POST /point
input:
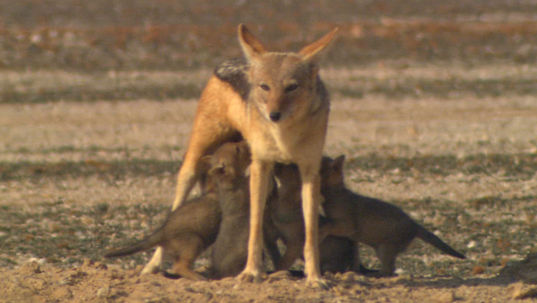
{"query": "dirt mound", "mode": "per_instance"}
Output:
(97, 282)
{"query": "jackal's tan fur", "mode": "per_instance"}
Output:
(277, 102)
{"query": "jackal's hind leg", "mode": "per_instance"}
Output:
(208, 133)
(186, 178)
(154, 265)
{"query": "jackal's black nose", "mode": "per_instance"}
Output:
(275, 116)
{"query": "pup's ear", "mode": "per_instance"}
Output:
(243, 150)
(337, 164)
(251, 46)
(313, 51)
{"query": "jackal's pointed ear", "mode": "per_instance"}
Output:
(251, 46)
(313, 51)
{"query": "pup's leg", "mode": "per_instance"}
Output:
(311, 197)
(271, 236)
(387, 255)
(294, 241)
(293, 252)
(356, 263)
(187, 250)
(259, 183)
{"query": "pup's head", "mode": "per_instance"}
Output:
(283, 84)
(228, 164)
(332, 172)
(289, 182)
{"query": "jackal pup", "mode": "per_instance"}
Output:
(285, 222)
(228, 170)
(278, 103)
(381, 225)
(185, 234)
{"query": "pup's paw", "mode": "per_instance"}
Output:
(251, 277)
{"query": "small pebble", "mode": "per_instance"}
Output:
(103, 292)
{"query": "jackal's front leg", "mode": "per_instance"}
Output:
(259, 181)
(311, 197)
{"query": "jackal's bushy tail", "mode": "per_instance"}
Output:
(432, 239)
(147, 243)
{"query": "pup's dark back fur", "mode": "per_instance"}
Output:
(183, 220)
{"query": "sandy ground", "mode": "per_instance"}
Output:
(96, 282)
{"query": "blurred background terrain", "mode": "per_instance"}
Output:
(105, 38)
(169, 35)
(434, 103)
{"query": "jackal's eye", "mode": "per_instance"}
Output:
(264, 87)
(291, 87)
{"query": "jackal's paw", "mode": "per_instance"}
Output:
(150, 268)
(251, 277)
(319, 283)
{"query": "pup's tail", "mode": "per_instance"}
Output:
(147, 243)
(432, 239)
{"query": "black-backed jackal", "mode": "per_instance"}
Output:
(279, 105)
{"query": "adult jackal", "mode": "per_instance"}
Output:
(279, 105)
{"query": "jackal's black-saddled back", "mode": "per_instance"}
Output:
(235, 72)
